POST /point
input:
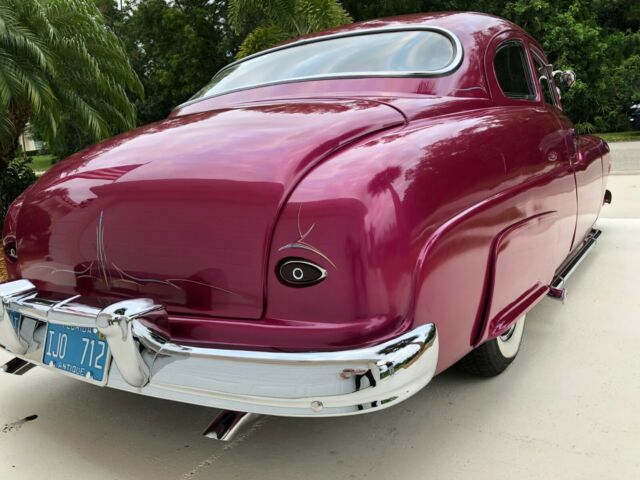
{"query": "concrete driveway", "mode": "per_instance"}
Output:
(566, 409)
(626, 157)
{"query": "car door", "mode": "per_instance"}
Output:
(536, 136)
(530, 247)
(587, 168)
(565, 155)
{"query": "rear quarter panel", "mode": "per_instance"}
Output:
(423, 207)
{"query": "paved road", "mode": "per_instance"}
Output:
(566, 409)
(626, 157)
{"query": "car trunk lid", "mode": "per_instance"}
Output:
(183, 210)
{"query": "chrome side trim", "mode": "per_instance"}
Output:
(566, 270)
(275, 383)
(453, 65)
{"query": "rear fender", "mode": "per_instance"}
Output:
(519, 274)
(473, 282)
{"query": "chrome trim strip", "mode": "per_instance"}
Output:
(290, 384)
(560, 279)
(423, 335)
(453, 65)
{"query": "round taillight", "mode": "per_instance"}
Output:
(11, 251)
(296, 272)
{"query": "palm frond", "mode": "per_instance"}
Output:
(58, 56)
(245, 14)
(270, 22)
(321, 14)
(262, 38)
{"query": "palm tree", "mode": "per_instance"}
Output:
(269, 22)
(58, 57)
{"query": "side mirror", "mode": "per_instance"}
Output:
(565, 77)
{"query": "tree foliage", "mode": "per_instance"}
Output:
(18, 175)
(269, 22)
(176, 47)
(599, 39)
(58, 58)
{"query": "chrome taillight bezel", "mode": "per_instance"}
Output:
(291, 272)
(10, 249)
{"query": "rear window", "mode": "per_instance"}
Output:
(387, 53)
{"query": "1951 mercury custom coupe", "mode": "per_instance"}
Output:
(319, 231)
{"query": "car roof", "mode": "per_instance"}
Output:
(474, 31)
(482, 27)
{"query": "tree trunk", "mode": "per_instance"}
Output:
(18, 118)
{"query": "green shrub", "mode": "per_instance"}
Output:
(585, 128)
(17, 177)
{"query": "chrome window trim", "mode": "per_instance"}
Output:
(453, 65)
(538, 57)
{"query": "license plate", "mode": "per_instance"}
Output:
(15, 318)
(78, 351)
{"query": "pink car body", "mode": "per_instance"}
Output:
(425, 200)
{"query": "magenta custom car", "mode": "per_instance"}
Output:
(318, 232)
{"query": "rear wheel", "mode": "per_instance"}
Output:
(493, 357)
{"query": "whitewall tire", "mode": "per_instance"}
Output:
(494, 356)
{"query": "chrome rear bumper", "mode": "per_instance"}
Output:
(290, 384)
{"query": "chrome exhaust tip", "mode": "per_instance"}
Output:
(229, 425)
(16, 366)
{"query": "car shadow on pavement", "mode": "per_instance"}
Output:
(142, 428)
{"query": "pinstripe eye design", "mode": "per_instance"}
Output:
(11, 251)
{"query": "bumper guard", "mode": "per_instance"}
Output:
(289, 384)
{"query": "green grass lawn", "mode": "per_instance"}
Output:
(41, 163)
(620, 136)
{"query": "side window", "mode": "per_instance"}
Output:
(512, 71)
(542, 73)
